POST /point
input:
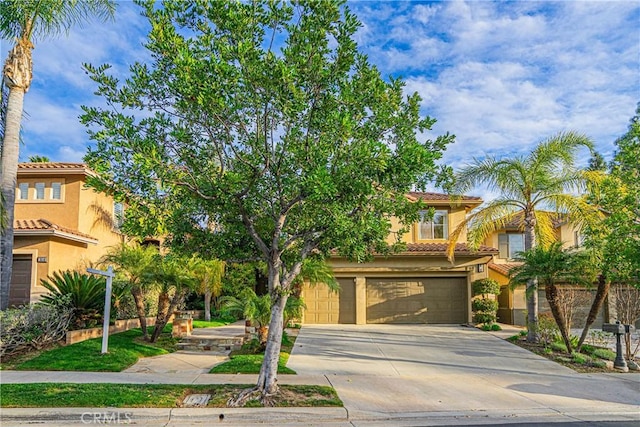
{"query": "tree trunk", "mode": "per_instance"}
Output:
(17, 74)
(601, 295)
(551, 292)
(207, 305)
(169, 306)
(532, 285)
(267, 380)
(138, 298)
(162, 315)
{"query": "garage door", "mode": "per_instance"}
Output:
(20, 290)
(419, 300)
(326, 307)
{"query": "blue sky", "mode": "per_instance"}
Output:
(501, 76)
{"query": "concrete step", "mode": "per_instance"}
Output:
(207, 343)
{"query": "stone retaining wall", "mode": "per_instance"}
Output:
(119, 326)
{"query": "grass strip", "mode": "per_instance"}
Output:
(250, 364)
(60, 395)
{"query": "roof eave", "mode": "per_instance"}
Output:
(56, 233)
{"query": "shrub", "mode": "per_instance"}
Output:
(581, 359)
(483, 317)
(484, 305)
(86, 294)
(604, 353)
(34, 327)
(496, 327)
(547, 328)
(558, 346)
(485, 287)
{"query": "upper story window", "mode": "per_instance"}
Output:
(509, 244)
(47, 191)
(436, 228)
(39, 190)
(56, 191)
(24, 191)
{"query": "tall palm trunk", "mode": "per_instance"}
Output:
(551, 292)
(207, 304)
(532, 285)
(17, 74)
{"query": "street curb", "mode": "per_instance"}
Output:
(304, 415)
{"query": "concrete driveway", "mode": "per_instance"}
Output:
(409, 371)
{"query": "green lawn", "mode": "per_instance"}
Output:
(124, 350)
(212, 324)
(249, 359)
(51, 395)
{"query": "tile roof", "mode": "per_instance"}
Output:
(441, 248)
(38, 226)
(518, 219)
(503, 268)
(428, 196)
(50, 165)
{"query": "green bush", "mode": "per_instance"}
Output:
(485, 287)
(484, 305)
(581, 359)
(86, 293)
(558, 346)
(485, 318)
(496, 327)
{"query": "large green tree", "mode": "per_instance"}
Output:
(616, 237)
(265, 133)
(27, 21)
(535, 188)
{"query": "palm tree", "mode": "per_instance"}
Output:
(208, 277)
(174, 282)
(536, 187)
(25, 22)
(550, 266)
(133, 265)
(39, 159)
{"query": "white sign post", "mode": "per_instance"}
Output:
(109, 274)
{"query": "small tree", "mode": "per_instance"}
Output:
(207, 275)
(550, 266)
(174, 282)
(485, 308)
(133, 265)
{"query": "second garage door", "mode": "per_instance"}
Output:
(417, 300)
(326, 307)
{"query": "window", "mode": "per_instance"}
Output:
(56, 190)
(118, 214)
(39, 190)
(24, 191)
(510, 244)
(436, 228)
(578, 239)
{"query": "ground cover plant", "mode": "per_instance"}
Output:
(591, 358)
(249, 358)
(124, 350)
(51, 395)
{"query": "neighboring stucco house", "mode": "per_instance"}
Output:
(419, 285)
(59, 224)
(512, 302)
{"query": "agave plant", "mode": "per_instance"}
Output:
(86, 293)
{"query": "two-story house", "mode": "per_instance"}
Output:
(59, 224)
(419, 285)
